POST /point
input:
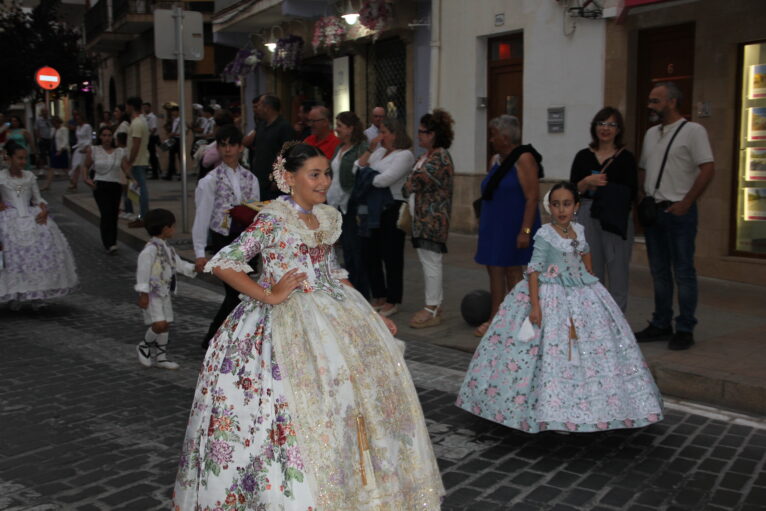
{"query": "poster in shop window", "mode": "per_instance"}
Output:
(758, 81)
(755, 169)
(757, 124)
(755, 204)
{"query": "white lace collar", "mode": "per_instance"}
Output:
(329, 219)
(5, 175)
(549, 234)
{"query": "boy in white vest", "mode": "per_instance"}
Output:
(158, 265)
(223, 188)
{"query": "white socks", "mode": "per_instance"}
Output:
(162, 357)
(155, 344)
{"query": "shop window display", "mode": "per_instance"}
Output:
(750, 216)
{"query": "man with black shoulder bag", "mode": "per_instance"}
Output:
(676, 166)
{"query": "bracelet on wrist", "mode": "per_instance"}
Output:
(526, 230)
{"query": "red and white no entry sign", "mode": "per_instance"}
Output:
(47, 78)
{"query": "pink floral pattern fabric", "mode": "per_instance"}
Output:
(225, 198)
(253, 441)
(595, 382)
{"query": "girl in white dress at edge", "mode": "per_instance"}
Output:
(304, 401)
(38, 263)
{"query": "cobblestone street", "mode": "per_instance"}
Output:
(83, 426)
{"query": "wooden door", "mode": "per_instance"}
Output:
(664, 54)
(505, 84)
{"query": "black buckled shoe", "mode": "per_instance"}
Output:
(652, 333)
(681, 341)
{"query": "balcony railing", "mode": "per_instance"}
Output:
(124, 7)
(96, 20)
(129, 16)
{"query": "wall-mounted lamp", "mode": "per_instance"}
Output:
(350, 14)
(272, 44)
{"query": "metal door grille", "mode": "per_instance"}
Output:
(387, 77)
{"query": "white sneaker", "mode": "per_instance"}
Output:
(112, 250)
(123, 215)
(166, 364)
(144, 354)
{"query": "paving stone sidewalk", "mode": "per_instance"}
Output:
(84, 427)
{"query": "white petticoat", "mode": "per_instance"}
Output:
(38, 261)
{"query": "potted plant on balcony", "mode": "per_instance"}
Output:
(328, 31)
(245, 62)
(288, 52)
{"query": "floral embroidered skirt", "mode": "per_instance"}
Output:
(306, 405)
(38, 260)
(596, 381)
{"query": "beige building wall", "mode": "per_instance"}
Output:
(719, 29)
(147, 86)
(563, 67)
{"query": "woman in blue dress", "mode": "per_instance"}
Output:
(509, 214)
(579, 368)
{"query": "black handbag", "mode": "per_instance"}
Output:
(647, 208)
(647, 212)
(477, 208)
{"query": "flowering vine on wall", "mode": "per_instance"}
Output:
(328, 31)
(288, 53)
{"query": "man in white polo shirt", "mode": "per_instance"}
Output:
(670, 240)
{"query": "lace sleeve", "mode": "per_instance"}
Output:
(538, 263)
(583, 247)
(250, 243)
(336, 271)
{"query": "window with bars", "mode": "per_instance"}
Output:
(387, 77)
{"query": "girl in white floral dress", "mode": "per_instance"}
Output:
(304, 401)
(38, 263)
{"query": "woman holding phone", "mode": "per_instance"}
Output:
(606, 176)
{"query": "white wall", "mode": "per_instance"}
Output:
(559, 70)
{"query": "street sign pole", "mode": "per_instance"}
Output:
(186, 43)
(178, 14)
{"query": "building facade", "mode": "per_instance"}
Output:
(521, 57)
(716, 53)
(555, 64)
(364, 68)
(121, 34)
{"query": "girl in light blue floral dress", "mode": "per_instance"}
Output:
(559, 354)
